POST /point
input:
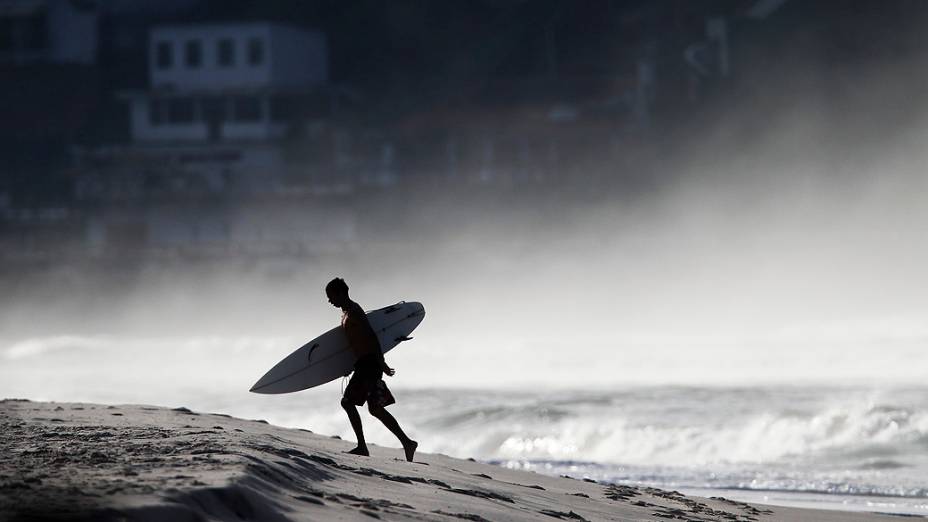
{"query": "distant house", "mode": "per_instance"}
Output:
(221, 105)
(226, 82)
(226, 141)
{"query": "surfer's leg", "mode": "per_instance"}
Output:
(390, 422)
(355, 419)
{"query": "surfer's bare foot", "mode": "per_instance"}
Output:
(360, 451)
(410, 448)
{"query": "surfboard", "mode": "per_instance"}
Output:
(328, 356)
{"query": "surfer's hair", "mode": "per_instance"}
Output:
(336, 286)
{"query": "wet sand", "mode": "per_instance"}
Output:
(71, 461)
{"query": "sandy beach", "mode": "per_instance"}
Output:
(73, 461)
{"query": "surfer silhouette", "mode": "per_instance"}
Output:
(366, 383)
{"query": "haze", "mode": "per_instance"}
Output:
(779, 239)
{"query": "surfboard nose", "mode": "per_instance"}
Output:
(262, 385)
(262, 389)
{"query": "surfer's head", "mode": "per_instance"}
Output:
(337, 292)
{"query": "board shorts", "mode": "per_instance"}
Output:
(366, 384)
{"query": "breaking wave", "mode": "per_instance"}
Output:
(813, 440)
(683, 433)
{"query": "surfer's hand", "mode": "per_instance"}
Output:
(389, 371)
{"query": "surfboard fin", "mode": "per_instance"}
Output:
(401, 339)
(310, 354)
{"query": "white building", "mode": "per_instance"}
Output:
(228, 82)
(221, 104)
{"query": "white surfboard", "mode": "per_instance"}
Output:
(328, 356)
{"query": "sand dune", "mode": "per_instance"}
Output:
(70, 461)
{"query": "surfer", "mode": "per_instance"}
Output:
(366, 383)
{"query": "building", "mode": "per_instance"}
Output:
(223, 148)
(226, 82)
(228, 107)
(221, 101)
(48, 31)
(50, 95)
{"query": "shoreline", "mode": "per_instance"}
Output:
(877, 504)
(813, 499)
(81, 461)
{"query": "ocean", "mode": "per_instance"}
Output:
(860, 447)
(826, 447)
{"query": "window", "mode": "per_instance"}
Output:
(213, 109)
(225, 50)
(193, 53)
(255, 51)
(156, 110)
(282, 108)
(180, 110)
(164, 55)
(247, 108)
